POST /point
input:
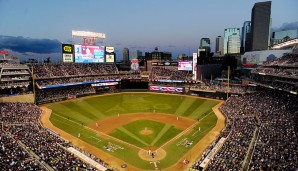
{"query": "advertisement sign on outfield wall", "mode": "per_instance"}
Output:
(170, 89)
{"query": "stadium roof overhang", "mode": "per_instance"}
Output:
(287, 44)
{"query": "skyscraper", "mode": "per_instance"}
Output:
(125, 55)
(205, 44)
(260, 25)
(234, 43)
(228, 32)
(219, 46)
(136, 54)
(245, 36)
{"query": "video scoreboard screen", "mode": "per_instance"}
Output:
(185, 65)
(89, 54)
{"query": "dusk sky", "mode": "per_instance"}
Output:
(35, 28)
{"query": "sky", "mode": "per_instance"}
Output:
(36, 29)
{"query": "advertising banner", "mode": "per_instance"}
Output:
(67, 48)
(67, 57)
(110, 49)
(170, 89)
(194, 65)
(110, 58)
(185, 65)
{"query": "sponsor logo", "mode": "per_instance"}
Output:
(156, 88)
(171, 89)
(67, 58)
(110, 49)
(67, 49)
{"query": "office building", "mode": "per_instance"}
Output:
(205, 44)
(246, 29)
(125, 55)
(234, 44)
(260, 25)
(228, 32)
(136, 54)
(219, 46)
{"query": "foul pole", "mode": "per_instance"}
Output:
(33, 85)
(228, 82)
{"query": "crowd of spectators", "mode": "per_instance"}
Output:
(72, 80)
(26, 145)
(169, 73)
(15, 157)
(236, 89)
(47, 146)
(269, 118)
(63, 92)
(19, 112)
(73, 69)
(280, 72)
(19, 89)
(233, 151)
(276, 82)
(284, 68)
(286, 60)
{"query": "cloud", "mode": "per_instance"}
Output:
(24, 45)
(287, 26)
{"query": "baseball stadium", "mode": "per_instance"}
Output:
(91, 116)
(90, 113)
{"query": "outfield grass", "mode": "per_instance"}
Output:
(72, 116)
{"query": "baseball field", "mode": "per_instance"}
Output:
(145, 131)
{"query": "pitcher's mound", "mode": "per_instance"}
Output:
(146, 132)
(158, 154)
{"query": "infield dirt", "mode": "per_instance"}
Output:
(108, 125)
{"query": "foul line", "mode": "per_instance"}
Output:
(116, 139)
(183, 132)
(179, 135)
(101, 133)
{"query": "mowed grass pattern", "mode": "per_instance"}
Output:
(73, 116)
(91, 109)
(131, 133)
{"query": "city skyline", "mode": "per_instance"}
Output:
(173, 26)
